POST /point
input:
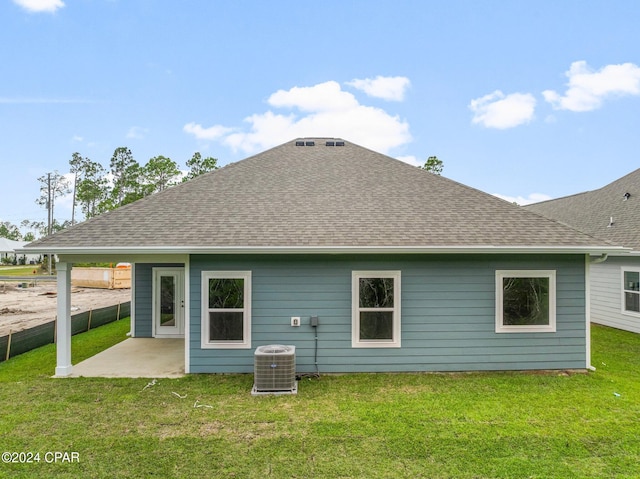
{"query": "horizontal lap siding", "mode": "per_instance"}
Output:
(448, 314)
(606, 294)
(143, 300)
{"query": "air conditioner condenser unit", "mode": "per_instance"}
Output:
(275, 370)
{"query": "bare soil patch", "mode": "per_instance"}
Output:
(23, 308)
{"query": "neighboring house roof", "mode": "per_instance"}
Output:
(9, 246)
(303, 198)
(611, 212)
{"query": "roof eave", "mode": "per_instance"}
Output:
(481, 249)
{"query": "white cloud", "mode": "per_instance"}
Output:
(212, 133)
(521, 200)
(497, 110)
(36, 6)
(326, 96)
(77, 139)
(327, 111)
(137, 132)
(387, 88)
(587, 89)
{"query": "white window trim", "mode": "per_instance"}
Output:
(549, 328)
(356, 342)
(246, 328)
(624, 311)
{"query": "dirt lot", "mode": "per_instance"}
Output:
(22, 308)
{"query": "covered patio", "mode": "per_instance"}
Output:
(136, 358)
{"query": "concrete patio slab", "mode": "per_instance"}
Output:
(136, 358)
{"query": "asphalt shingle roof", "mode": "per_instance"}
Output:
(318, 196)
(593, 211)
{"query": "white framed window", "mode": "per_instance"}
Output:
(525, 301)
(630, 291)
(226, 309)
(375, 299)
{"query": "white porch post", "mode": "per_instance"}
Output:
(63, 324)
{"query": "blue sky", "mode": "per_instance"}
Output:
(524, 99)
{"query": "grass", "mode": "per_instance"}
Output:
(39, 364)
(475, 425)
(27, 270)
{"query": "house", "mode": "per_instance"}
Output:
(8, 251)
(610, 213)
(398, 268)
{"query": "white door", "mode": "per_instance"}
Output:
(168, 302)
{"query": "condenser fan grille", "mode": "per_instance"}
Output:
(274, 349)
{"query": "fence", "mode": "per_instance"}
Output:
(107, 278)
(28, 339)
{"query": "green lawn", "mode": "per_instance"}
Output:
(498, 425)
(27, 270)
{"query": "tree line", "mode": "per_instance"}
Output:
(96, 190)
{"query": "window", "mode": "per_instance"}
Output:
(525, 301)
(376, 309)
(631, 291)
(226, 309)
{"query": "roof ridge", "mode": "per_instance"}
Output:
(604, 188)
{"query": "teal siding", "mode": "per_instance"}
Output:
(448, 314)
(142, 302)
(143, 281)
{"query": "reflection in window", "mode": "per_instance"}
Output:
(631, 289)
(525, 301)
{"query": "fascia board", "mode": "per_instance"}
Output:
(184, 250)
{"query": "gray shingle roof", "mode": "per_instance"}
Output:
(318, 196)
(593, 211)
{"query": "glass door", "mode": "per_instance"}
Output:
(168, 302)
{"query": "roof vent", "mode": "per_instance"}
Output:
(310, 143)
(610, 222)
(299, 143)
(626, 196)
(330, 143)
(339, 143)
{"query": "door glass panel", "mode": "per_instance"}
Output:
(167, 301)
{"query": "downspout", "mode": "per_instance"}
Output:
(601, 259)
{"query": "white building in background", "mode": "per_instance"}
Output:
(8, 250)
